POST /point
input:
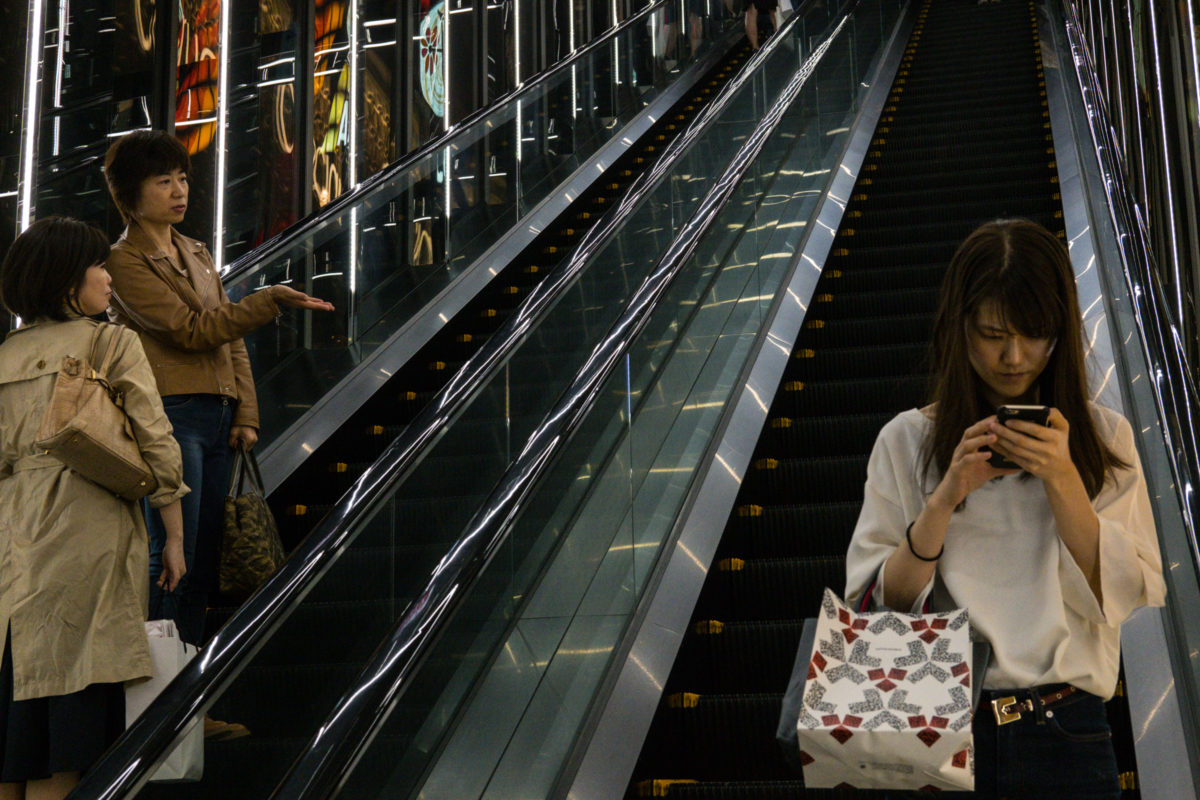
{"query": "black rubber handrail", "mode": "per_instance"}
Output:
(344, 737)
(288, 237)
(124, 769)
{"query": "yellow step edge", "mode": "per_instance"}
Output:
(683, 700)
(659, 787)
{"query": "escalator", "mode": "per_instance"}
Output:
(340, 623)
(307, 661)
(964, 138)
(495, 698)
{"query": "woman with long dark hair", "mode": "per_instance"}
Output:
(1049, 557)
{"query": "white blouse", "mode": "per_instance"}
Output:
(1004, 561)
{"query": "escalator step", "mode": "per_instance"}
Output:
(806, 480)
(819, 334)
(807, 437)
(862, 395)
(720, 737)
(844, 363)
(769, 588)
(866, 304)
(755, 656)
(750, 790)
(881, 277)
(764, 531)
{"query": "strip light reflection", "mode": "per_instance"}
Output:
(222, 125)
(352, 127)
(1169, 195)
(59, 64)
(32, 113)
(1194, 41)
(446, 77)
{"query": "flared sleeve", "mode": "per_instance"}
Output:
(1130, 562)
(892, 475)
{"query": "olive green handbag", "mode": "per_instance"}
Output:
(251, 549)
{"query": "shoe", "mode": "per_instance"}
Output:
(220, 731)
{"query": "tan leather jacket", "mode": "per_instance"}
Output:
(192, 334)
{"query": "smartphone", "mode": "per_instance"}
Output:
(1038, 414)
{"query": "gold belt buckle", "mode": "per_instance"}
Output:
(1007, 709)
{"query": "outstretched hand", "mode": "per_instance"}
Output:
(287, 296)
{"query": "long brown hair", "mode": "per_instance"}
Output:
(1026, 273)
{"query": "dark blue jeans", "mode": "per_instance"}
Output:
(201, 423)
(1063, 752)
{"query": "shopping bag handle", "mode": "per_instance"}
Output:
(245, 468)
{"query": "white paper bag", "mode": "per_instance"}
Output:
(168, 655)
(887, 704)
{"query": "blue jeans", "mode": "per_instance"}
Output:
(201, 423)
(1063, 752)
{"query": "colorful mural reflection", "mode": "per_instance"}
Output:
(432, 36)
(330, 83)
(197, 73)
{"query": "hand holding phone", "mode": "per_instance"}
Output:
(1036, 414)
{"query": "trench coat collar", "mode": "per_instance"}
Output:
(193, 277)
(28, 324)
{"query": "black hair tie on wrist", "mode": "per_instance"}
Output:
(918, 556)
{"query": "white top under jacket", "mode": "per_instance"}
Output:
(1005, 563)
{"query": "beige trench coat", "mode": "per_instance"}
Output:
(74, 572)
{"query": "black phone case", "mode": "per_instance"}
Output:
(1041, 417)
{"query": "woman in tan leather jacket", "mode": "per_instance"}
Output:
(73, 556)
(167, 289)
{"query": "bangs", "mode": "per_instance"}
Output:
(1024, 301)
(163, 156)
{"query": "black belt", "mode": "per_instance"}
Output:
(1010, 709)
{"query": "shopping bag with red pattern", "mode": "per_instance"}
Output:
(887, 703)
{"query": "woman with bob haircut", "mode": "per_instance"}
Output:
(1049, 558)
(166, 289)
(73, 556)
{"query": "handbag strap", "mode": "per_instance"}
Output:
(101, 365)
(237, 473)
(245, 469)
(256, 481)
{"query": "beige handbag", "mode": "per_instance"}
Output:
(85, 426)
